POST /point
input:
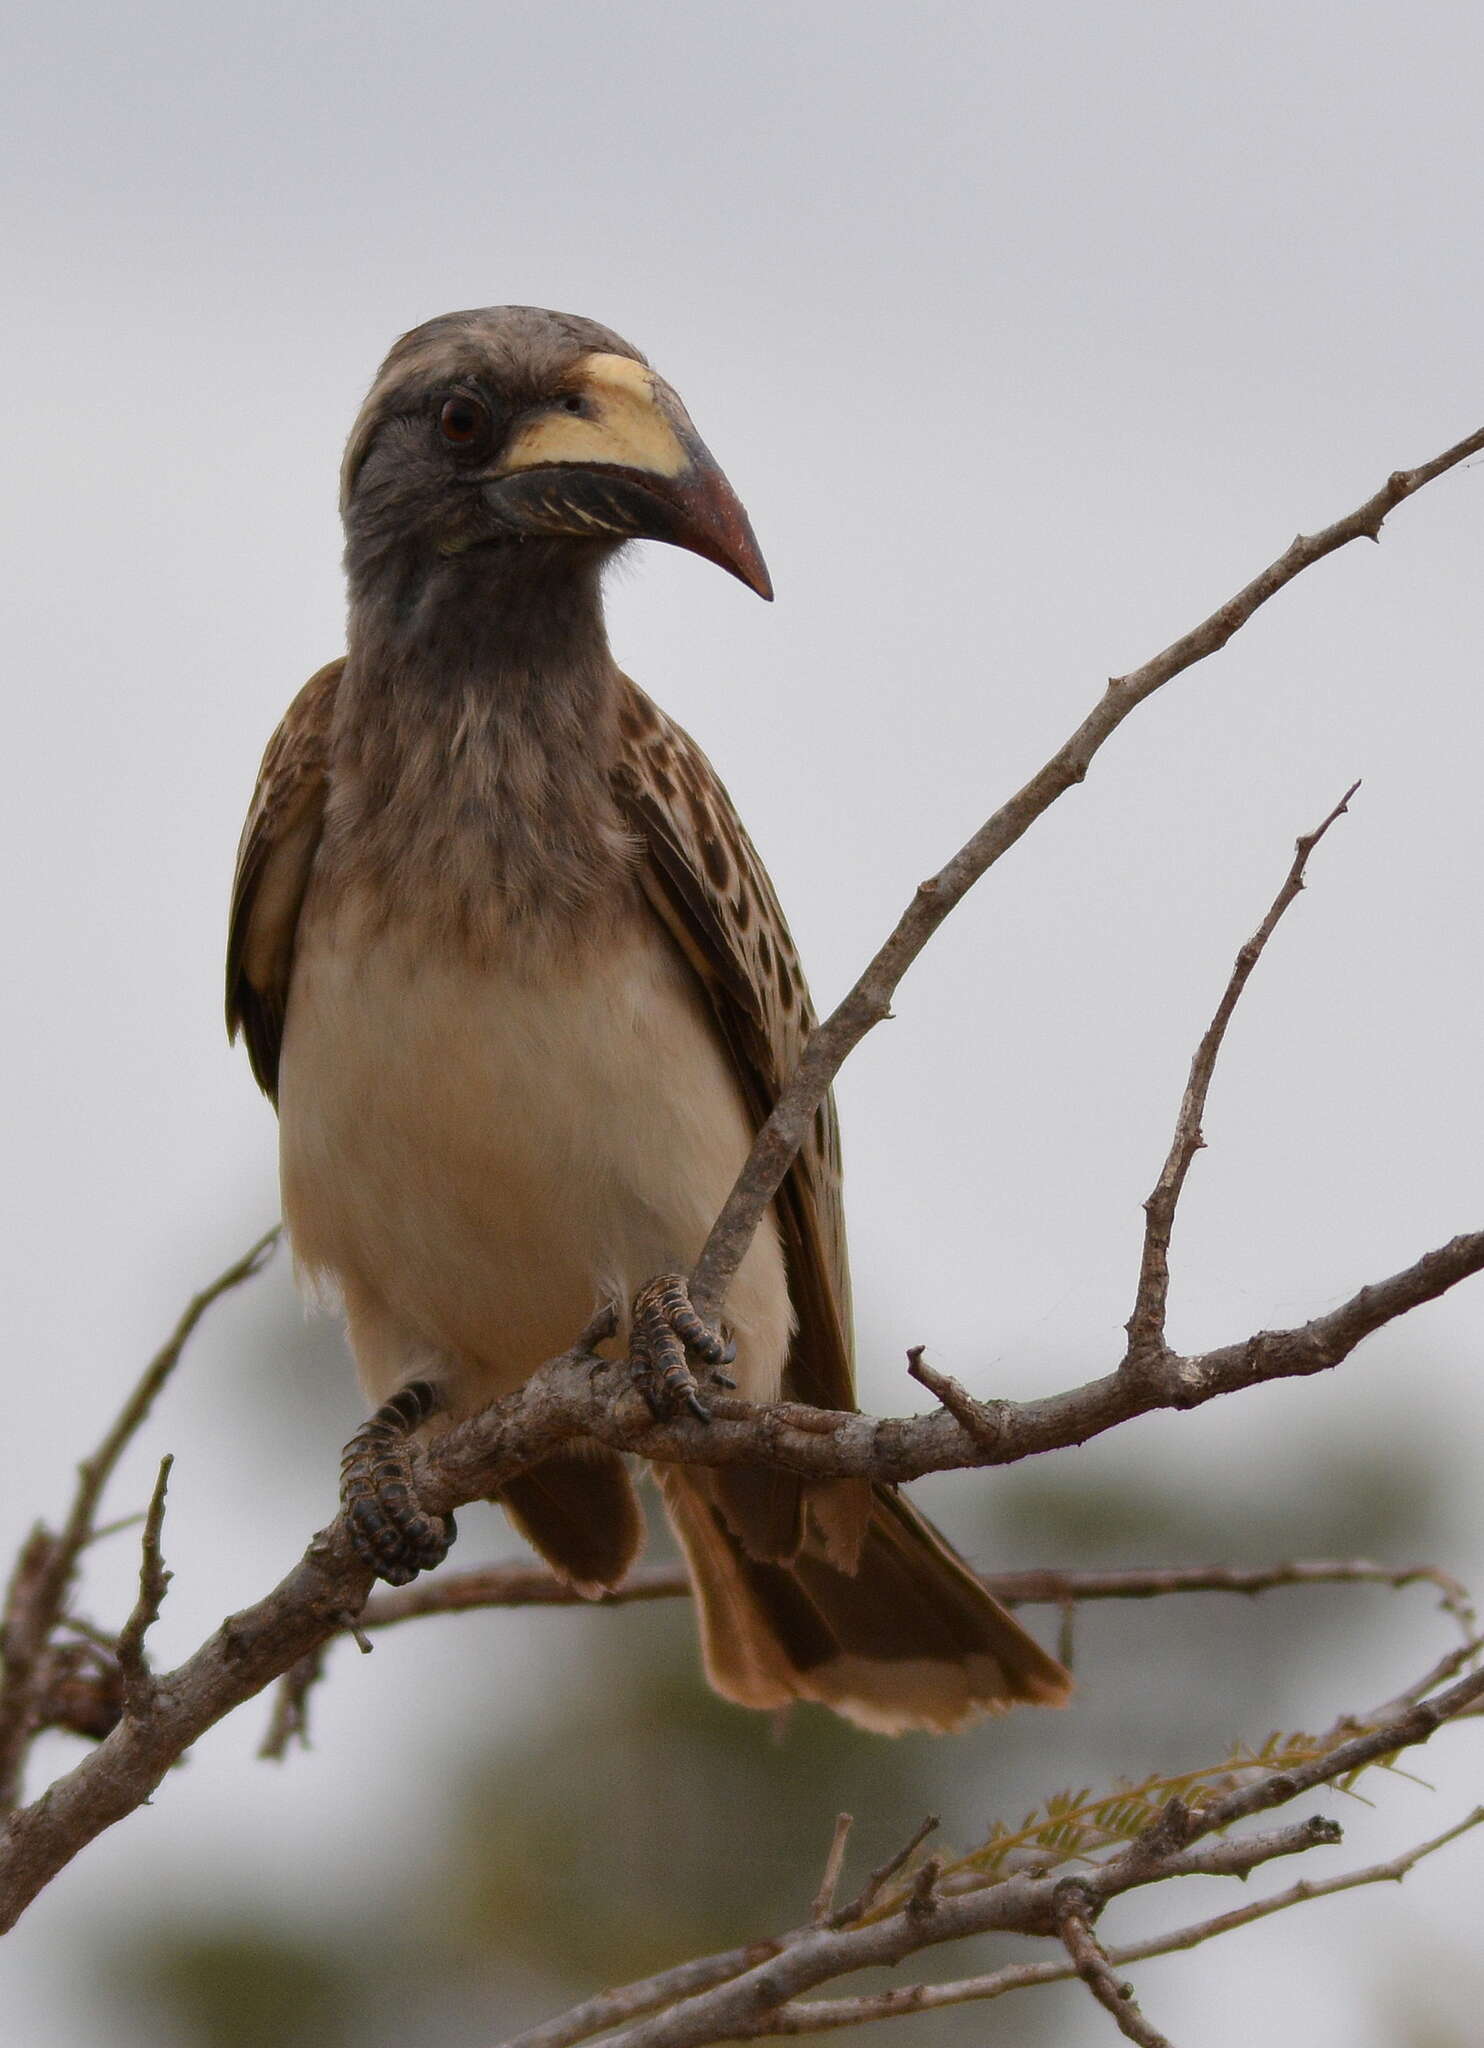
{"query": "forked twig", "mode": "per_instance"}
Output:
(882, 1875)
(561, 1401)
(37, 1596)
(869, 1001)
(154, 1580)
(1146, 1326)
(824, 1898)
(823, 2015)
(977, 1418)
(1090, 1961)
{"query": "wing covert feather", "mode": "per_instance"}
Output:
(273, 866)
(704, 879)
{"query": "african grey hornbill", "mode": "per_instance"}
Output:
(519, 984)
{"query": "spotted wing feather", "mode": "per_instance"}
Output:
(704, 878)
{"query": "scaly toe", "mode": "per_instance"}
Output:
(665, 1326)
(392, 1533)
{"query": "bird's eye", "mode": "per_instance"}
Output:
(573, 403)
(463, 421)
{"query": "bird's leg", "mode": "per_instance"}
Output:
(665, 1327)
(388, 1525)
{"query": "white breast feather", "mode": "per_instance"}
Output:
(476, 1157)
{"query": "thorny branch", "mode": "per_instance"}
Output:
(754, 1990)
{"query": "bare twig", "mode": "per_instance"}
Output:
(521, 1585)
(882, 1875)
(824, 1898)
(1414, 1721)
(869, 1001)
(647, 1994)
(713, 1999)
(139, 1682)
(33, 1600)
(95, 1473)
(1308, 1888)
(530, 1585)
(751, 2004)
(1154, 1582)
(564, 1400)
(921, 1895)
(1090, 1961)
(743, 2006)
(1146, 1326)
(977, 1418)
(822, 2015)
(1456, 1660)
(512, 1585)
(39, 1589)
(247, 1651)
(289, 1721)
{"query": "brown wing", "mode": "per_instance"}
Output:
(704, 878)
(836, 1591)
(273, 864)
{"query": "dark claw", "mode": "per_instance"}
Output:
(666, 1326)
(388, 1526)
(644, 1381)
(723, 1379)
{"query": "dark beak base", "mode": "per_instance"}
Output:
(697, 510)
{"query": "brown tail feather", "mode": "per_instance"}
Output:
(771, 1513)
(764, 1510)
(909, 1640)
(581, 1513)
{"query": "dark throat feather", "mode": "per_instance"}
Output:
(471, 753)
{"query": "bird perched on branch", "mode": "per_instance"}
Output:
(508, 963)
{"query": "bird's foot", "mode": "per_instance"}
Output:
(391, 1530)
(664, 1328)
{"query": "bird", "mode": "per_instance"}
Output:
(520, 987)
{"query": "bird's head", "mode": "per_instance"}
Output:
(488, 431)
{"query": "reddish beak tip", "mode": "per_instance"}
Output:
(713, 523)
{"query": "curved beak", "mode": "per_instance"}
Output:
(614, 457)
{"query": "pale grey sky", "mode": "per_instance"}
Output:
(1026, 335)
